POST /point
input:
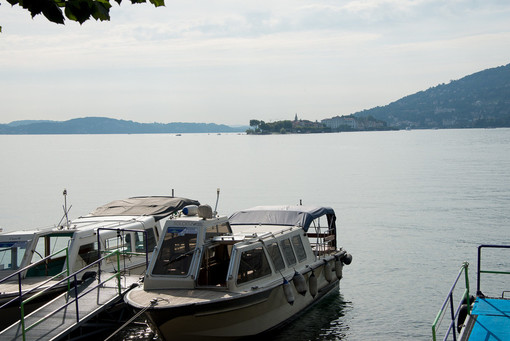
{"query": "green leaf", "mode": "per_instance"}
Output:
(33, 6)
(101, 10)
(158, 3)
(79, 10)
(53, 13)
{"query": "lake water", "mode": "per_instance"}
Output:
(411, 205)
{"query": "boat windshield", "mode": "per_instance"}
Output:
(49, 246)
(176, 253)
(11, 254)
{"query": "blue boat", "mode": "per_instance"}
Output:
(486, 316)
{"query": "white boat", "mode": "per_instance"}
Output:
(225, 278)
(34, 261)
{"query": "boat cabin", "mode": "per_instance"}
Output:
(85, 239)
(241, 252)
(131, 226)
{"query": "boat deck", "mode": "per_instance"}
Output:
(492, 319)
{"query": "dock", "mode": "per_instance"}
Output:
(65, 314)
(491, 320)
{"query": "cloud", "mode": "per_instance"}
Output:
(235, 58)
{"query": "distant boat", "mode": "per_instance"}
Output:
(217, 277)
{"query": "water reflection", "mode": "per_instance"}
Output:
(324, 321)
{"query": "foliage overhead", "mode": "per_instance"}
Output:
(76, 10)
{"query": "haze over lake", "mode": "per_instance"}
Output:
(411, 205)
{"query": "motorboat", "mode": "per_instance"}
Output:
(33, 261)
(485, 315)
(218, 277)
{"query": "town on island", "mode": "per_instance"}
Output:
(328, 125)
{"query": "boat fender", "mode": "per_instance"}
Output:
(287, 289)
(327, 271)
(347, 259)
(462, 317)
(339, 266)
(312, 283)
(299, 283)
(190, 210)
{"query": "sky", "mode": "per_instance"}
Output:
(227, 62)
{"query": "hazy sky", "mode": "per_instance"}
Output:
(232, 61)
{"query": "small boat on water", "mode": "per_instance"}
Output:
(214, 277)
(33, 262)
(485, 316)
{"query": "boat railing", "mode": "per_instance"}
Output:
(322, 240)
(480, 271)
(121, 234)
(449, 305)
(77, 294)
(19, 274)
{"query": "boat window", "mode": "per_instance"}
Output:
(253, 264)
(118, 243)
(290, 258)
(276, 256)
(11, 254)
(217, 230)
(299, 248)
(87, 254)
(140, 241)
(214, 265)
(46, 246)
(176, 252)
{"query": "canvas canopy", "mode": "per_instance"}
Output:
(281, 215)
(157, 206)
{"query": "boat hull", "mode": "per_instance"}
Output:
(233, 317)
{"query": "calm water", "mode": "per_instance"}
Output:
(412, 205)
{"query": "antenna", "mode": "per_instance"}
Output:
(217, 199)
(66, 210)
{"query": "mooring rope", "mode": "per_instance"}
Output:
(153, 302)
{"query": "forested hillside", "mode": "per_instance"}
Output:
(478, 100)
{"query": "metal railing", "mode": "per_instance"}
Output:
(20, 272)
(77, 295)
(121, 234)
(448, 304)
(480, 271)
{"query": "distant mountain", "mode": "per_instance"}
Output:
(103, 125)
(475, 101)
(25, 122)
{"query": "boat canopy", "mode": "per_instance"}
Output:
(157, 206)
(281, 215)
